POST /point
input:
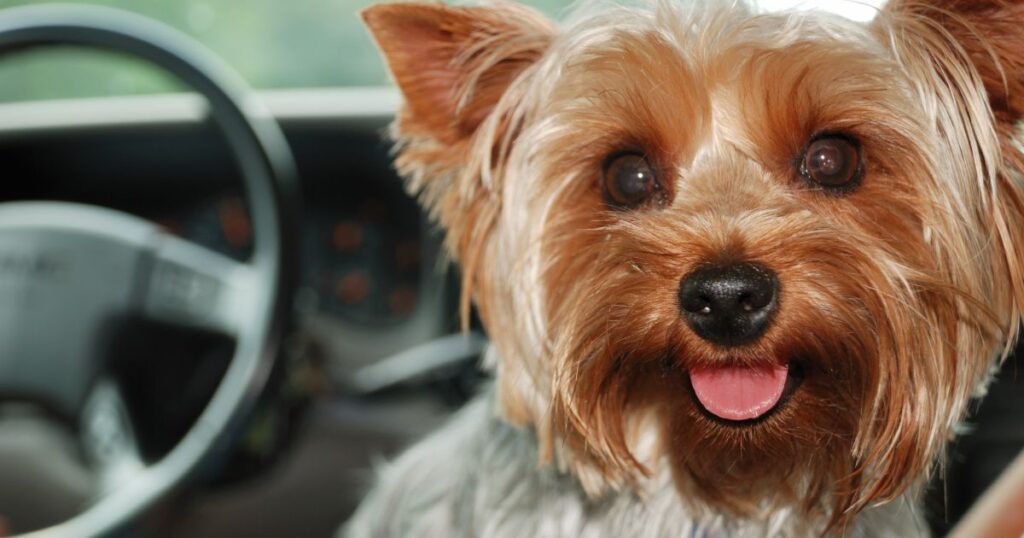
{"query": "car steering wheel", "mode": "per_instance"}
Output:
(66, 270)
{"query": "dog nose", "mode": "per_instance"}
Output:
(729, 305)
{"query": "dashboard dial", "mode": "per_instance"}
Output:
(220, 224)
(363, 266)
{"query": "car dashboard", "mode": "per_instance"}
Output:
(370, 284)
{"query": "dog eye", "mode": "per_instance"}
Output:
(832, 161)
(629, 181)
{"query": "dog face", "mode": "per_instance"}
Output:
(774, 254)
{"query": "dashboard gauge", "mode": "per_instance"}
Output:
(362, 262)
(353, 288)
(234, 222)
(220, 224)
(402, 300)
(365, 264)
(347, 237)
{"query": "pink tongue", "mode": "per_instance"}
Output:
(739, 392)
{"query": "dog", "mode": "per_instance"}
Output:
(742, 272)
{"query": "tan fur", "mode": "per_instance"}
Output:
(897, 297)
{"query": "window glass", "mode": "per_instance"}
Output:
(271, 43)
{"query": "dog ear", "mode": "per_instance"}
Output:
(989, 34)
(453, 64)
(456, 67)
(964, 62)
(974, 50)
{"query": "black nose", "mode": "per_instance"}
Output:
(729, 305)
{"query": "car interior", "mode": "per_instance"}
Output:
(333, 342)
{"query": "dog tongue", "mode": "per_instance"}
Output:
(739, 392)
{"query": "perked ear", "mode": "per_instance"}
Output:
(975, 50)
(991, 35)
(453, 64)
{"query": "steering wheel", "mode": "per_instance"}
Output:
(66, 270)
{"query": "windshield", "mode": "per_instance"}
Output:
(271, 43)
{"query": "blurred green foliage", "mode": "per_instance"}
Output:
(272, 43)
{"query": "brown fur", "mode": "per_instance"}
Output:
(895, 298)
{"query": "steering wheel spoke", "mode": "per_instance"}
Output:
(190, 285)
(73, 270)
(67, 272)
(108, 438)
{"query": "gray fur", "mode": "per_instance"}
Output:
(478, 476)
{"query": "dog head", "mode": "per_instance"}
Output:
(775, 254)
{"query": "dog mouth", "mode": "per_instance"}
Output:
(738, 393)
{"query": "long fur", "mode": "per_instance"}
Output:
(490, 485)
(897, 298)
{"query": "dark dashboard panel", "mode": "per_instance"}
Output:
(363, 244)
(139, 170)
(372, 230)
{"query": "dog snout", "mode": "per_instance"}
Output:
(729, 305)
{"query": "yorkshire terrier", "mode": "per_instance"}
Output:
(742, 272)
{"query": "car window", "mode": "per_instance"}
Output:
(271, 43)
